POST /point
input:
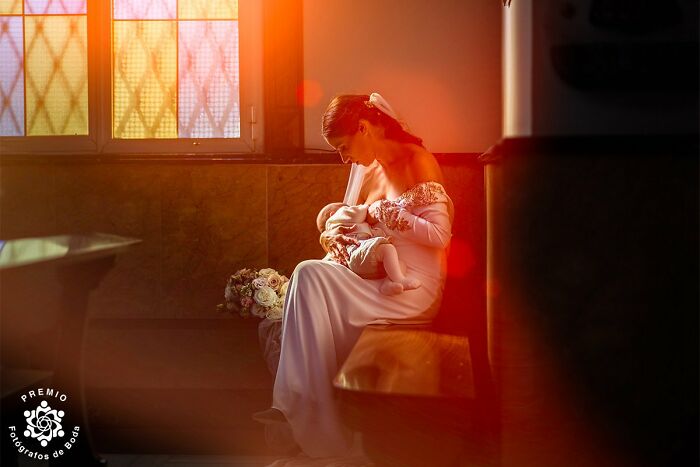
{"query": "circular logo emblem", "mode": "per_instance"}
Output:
(44, 423)
(39, 432)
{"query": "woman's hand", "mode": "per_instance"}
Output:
(336, 242)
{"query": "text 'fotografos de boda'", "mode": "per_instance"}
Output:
(39, 433)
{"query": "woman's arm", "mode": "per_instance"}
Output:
(429, 221)
(335, 243)
(431, 227)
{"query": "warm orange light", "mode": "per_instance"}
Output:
(493, 288)
(461, 259)
(309, 93)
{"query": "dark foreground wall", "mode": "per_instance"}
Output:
(594, 243)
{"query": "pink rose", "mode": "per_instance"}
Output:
(274, 280)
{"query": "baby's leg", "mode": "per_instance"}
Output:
(393, 267)
(390, 287)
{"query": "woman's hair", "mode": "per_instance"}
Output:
(342, 118)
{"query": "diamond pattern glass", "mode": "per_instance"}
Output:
(10, 7)
(145, 79)
(43, 77)
(208, 80)
(207, 9)
(176, 69)
(55, 7)
(11, 77)
(144, 9)
(56, 75)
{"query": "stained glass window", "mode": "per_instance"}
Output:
(11, 76)
(10, 7)
(43, 78)
(144, 9)
(176, 69)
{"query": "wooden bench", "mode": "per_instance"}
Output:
(424, 395)
(411, 391)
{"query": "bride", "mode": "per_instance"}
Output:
(327, 305)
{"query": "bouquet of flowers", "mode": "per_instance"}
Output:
(258, 293)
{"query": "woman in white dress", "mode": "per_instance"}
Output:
(327, 305)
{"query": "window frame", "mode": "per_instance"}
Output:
(78, 144)
(99, 139)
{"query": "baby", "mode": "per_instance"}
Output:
(375, 257)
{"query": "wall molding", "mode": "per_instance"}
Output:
(290, 158)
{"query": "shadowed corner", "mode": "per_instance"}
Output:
(157, 389)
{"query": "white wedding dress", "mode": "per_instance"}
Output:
(327, 306)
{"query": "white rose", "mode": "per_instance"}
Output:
(266, 272)
(283, 289)
(277, 310)
(259, 282)
(274, 314)
(265, 296)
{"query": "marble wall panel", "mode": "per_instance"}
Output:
(27, 205)
(198, 223)
(296, 194)
(122, 199)
(214, 221)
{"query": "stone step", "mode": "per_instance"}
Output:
(175, 353)
(179, 421)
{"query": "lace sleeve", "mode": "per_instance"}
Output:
(422, 214)
(431, 228)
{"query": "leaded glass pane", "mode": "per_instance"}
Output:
(11, 77)
(55, 7)
(145, 79)
(145, 9)
(56, 75)
(208, 80)
(208, 9)
(10, 7)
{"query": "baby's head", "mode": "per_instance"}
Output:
(327, 211)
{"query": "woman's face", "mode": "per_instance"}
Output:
(357, 148)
